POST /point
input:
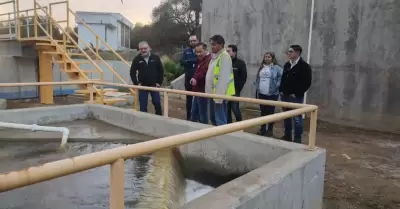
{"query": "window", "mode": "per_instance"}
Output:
(125, 36)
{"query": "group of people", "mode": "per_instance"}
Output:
(221, 72)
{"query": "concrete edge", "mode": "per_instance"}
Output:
(249, 186)
(247, 136)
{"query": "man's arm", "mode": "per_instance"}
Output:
(183, 59)
(224, 76)
(243, 76)
(133, 72)
(160, 69)
(279, 76)
(305, 80)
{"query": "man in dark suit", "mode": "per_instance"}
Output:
(147, 70)
(296, 80)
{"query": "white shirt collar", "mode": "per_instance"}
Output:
(295, 62)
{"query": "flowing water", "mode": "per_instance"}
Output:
(90, 189)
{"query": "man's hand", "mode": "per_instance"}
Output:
(292, 95)
(157, 85)
(193, 82)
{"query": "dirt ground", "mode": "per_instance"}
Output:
(362, 168)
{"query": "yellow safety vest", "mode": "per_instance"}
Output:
(230, 91)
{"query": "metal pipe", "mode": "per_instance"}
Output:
(45, 83)
(52, 170)
(35, 127)
(309, 42)
(214, 96)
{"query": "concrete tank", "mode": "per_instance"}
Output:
(354, 51)
(266, 173)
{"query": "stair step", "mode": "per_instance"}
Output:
(68, 61)
(61, 53)
(108, 101)
(77, 71)
(48, 40)
(86, 91)
(51, 44)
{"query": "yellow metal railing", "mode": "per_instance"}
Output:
(17, 25)
(115, 157)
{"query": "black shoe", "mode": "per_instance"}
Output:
(287, 138)
(262, 133)
(269, 134)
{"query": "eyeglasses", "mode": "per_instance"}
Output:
(290, 51)
(144, 48)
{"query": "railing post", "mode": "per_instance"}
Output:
(67, 13)
(313, 130)
(166, 104)
(136, 100)
(117, 184)
(91, 95)
(51, 20)
(35, 17)
(18, 22)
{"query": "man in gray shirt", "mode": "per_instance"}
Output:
(219, 80)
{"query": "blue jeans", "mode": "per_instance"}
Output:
(234, 107)
(199, 110)
(267, 110)
(298, 120)
(155, 98)
(218, 113)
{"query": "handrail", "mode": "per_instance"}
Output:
(83, 51)
(65, 53)
(63, 50)
(115, 157)
(101, 39)
(73, 165)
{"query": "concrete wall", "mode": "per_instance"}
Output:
(353, 54)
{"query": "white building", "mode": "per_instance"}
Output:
(111, 27)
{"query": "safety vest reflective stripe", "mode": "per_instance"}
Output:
(230, 90)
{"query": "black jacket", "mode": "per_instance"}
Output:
(296, 80)
(239, 73)
(148, 74)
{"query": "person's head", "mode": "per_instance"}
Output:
(201, 50)
(269, 58)
(294, 52)
(232, 50)
(193, 41)
(217, 43)
(144, 48)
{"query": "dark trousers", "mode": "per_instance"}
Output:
(298, 120)
(267, 110)
(234, 107)
(217, 113)
(200, 110)
(155, 98)
(189, 101)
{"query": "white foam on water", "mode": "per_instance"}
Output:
(195, 190)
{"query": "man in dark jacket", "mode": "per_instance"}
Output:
(240, 76)
(147, 70)
(188, 61)
(296, 80)
(200, 104)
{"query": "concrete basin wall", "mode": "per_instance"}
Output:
(276, 174)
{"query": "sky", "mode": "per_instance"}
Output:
(135, 10)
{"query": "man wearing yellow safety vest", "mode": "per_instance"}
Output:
(219, 80)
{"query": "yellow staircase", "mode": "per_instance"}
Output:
(60, 52)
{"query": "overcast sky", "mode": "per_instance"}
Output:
(134, 10)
